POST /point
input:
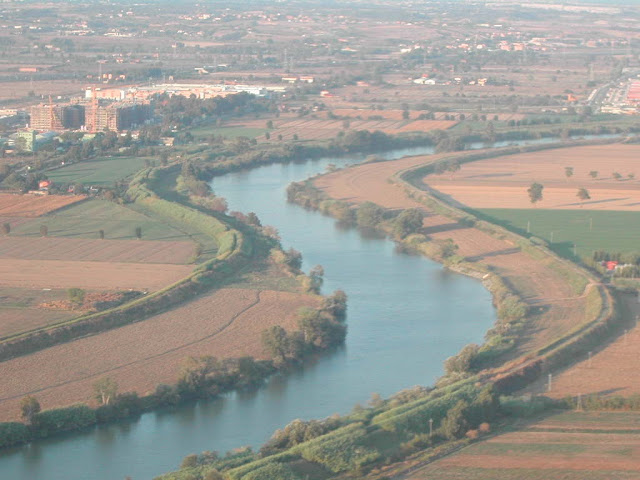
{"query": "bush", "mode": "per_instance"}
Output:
(13, 433)
(341, 450)
(369, 215)
(63, 419)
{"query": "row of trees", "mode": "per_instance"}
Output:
(569, 171)
(536, 189)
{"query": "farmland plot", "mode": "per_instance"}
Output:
(227, 323)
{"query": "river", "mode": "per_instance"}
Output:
(406, 315)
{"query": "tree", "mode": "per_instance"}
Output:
(452, 167)
(583, 194)
(195, 370)
(105, 389)
(101, 234)
(336, 304)
(252, 219)
(535, 192)
(448, 248)
(269, 124)
(455, 424)
(319, 330)
(76, 296)
(189, 461)
(138, 233)
(267, 136)
(6, 228)
(616, 175)
(405, 115)
(275, 342)
(316, 275)
(29, 407)
(44, 230)
(408, 222)
(568, 172)
(369, 215)
(631, 176)
(593, 174)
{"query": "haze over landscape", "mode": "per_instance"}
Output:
(304, 240)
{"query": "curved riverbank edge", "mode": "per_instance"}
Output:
(575, 343)
(601, 318)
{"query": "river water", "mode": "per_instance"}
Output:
(406, 315)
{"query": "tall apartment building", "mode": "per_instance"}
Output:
(116, 116)
(47, 117)
(56, 117)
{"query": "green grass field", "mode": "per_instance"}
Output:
(588, 230)
(103, 171)
(84, 219)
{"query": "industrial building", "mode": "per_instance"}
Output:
(201, 91)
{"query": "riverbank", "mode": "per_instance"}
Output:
(559, 297)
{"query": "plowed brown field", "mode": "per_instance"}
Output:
(16, 320)
(83, 249)
(611, 371)
(34, 205)
(227, 323)
(563, 309)
(534, 455)
(310, 128)
(502, 182)
(89, 275)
